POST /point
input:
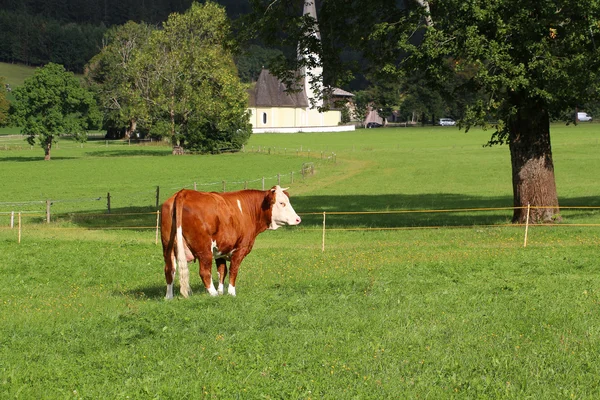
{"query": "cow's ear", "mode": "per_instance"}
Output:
(269, 199)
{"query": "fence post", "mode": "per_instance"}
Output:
(224, 185)
(47, 211)
(526, 226)
(157, 225)
(245, 184)
(195, 186)
(12, 220)
(323, 241)
(108, 201)
(263, 183)
(19, 226)
(157, 195)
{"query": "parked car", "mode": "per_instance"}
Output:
(583, 117)
(446, 122)
(374, 125)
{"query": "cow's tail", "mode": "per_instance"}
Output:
(182, 265)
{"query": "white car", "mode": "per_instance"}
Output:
(583, 117)
(446, 122)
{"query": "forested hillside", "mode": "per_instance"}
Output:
(69, 32)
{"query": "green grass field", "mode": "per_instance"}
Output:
(461, 310)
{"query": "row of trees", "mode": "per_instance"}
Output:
(178, 82)
(36, 40)
(70, 32)
(111, 12)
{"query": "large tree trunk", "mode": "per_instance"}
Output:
(47, 147)
(131, 128)
(532, 166)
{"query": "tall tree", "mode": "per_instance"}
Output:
(532, 59)
(194, 82)
(178, 82)
(53, 102)
(116, 78)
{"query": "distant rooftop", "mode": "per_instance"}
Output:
(271, 92)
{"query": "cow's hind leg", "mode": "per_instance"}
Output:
(170, 266)
(205, 274)
(222, 271)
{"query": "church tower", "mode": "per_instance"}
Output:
(313, 92)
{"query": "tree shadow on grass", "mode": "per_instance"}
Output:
(128, 153)
(30, 159)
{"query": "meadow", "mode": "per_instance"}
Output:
(423, 305)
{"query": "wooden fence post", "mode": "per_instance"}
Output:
(526, 226)
(224, 186)
(12, 220)
(108, 201)
(263, 183)
(19, 226)
(323, 241)
(245, 184)
(47, 211)
(157, 195)
(195, 186)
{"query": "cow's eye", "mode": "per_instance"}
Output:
(282, 204)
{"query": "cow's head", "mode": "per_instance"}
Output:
(282, 212)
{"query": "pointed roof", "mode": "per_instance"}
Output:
(270, 92)
(310, 8)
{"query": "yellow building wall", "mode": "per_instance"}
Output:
(287, 117)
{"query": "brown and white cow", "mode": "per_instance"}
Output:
(223, 226)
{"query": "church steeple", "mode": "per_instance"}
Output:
(314, 90)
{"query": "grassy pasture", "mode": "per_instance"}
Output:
(428, 313)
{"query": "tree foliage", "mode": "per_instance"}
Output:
(115, 76)
(522, 62)
(178, 82)
(53, 102)
(4, 104)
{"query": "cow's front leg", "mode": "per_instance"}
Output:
(222, 271)
(205, 274)
(234, 266)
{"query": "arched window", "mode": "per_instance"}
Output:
(264, 118)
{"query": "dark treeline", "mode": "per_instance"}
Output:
(69, 32)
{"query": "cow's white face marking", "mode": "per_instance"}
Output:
(240, 206)
(282, 212)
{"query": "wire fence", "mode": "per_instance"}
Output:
(148, 199)
(151, 221)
